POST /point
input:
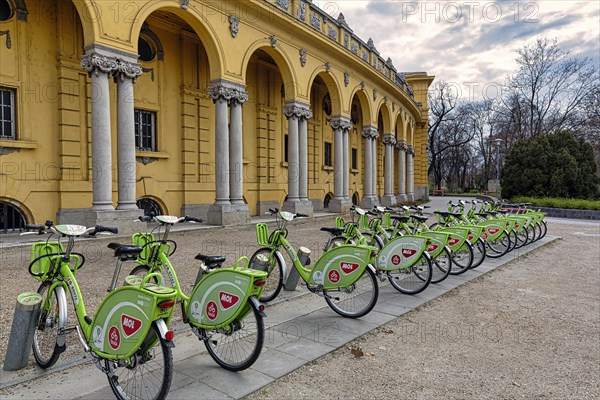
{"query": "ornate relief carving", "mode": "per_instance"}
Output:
(340, 122)
(401, 145)
(346, 39)
(285, 4)
(95, 63)
(354, 48)
(184, 4)
(227, 91)
(370, 132)
(298, 110)
(273, 40)
(389, 139)
(127, 70)
(332, 33)
(302, 11)
(303, 57)
(315, 21)
(234, 25)
(346, 79)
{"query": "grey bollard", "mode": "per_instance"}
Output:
(292, 280)
(27, 312)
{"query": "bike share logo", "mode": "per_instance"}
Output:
(493, 231)
(408, 253)
(453, 241)
(396, 259)
(228, 300)
(114, 338)
(348, 267)
(130, 325)
(484, 235)
(432, 247)
(334, 276)
(211, 310)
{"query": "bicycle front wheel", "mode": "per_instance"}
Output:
(147, 374)
(238, 345)
(414, 279)
(374, 240)
(462, 259)
(479, 253)
(45, 347)
(274, 271)
(500, 246)
(357, 299)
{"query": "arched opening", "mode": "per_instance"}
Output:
(327, 200)
(150, 206)
(6, 10)
(355, 199)
(12, 218)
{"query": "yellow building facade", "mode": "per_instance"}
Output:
(214, 109)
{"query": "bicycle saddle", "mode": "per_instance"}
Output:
(210, 261)
(125, 250)
(399, 218)
(419, 217)
(333, 231)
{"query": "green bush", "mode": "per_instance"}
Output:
(554, 202)
(556, 165)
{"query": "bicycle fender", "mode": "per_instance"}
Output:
(282, 261)
(63, 318)
(256, 303)
(162, 330)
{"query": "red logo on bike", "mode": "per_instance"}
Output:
(493, 231)
(130, 325)
(228, 300)
(334, 276)
(211, 310)
(348, 267)
(453, 241)
(484, 235)
(114, 338)
(396, 259)
(408, 252)
(432, 247)
(517, 225)
(470, 237)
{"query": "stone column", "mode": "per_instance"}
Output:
(125, 76)
(374, 171)
(236, 179)
(388, 198)
(346, 180)
(100, 67)
(368, 132)
(410, 173)
(401, 146)
(297, 114)
(341, 202)
(223, 212)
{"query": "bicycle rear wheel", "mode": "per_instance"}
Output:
(238, 345)
(374, 240)
(147, 374)
(479, 253)
(45, 347)
(357, 299)
(414, 279)
(500, 246)
(441, 266)
(275, 273)
(462, 259)
(522, 237)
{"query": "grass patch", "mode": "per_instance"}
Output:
(552, 202)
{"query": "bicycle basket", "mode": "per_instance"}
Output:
(39, 270)
(141, 240)
(262, 234)
(339, 222)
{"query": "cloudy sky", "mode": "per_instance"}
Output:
(472, 43)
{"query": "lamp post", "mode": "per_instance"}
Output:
(497, 143)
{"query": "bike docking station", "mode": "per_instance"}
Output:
(292, 280)
(27, 312)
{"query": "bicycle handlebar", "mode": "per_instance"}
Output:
(99, 229)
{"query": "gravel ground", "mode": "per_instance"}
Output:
(529, 329)
(525, 330)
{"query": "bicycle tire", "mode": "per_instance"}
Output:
(462, 259)
(45, 338)
(479, 253)
(390, 232)
(374, 240)
(138, 380)
(500, 246)
(230, 349)
(441, 266)
(544, 228)
(414, 279)
(435, 225)
(522, 237)
(275, 274)
(142, 271)
(335, 242)
(539, 230)
(513, 239)
(364, 293)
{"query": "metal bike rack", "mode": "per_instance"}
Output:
(27, 312)
(292, 280)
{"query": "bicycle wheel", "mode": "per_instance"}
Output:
(512, 234)
(462, 259)
(434, 226)
(500, 246)
(335, 242)
(441, 266)
(479, 253)
(142, 271)
(539, 231)
(275, 273)
(374, 240)
(238, 345)
(45, 347)
(357, 299)
(414, 279)
(544, 228)
(147, 374)
(522, 237)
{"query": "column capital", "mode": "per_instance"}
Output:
(297, 109)
(127, 70)
(410, 150)
(95, 63)
(370, 132)
(401, 145)
(224, 90)
(341, 122)
(389, 139)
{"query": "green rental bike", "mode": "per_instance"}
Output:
(127, 337)
(344, 275)
(222, 309)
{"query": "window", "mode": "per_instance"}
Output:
(285, 147)
(150, 206)
(145, 130)
(8, 128)
(146, 49)
(12, 219)
(6, 11)
(354, 159)
(327, 155)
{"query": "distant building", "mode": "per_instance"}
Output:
(214, 109)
